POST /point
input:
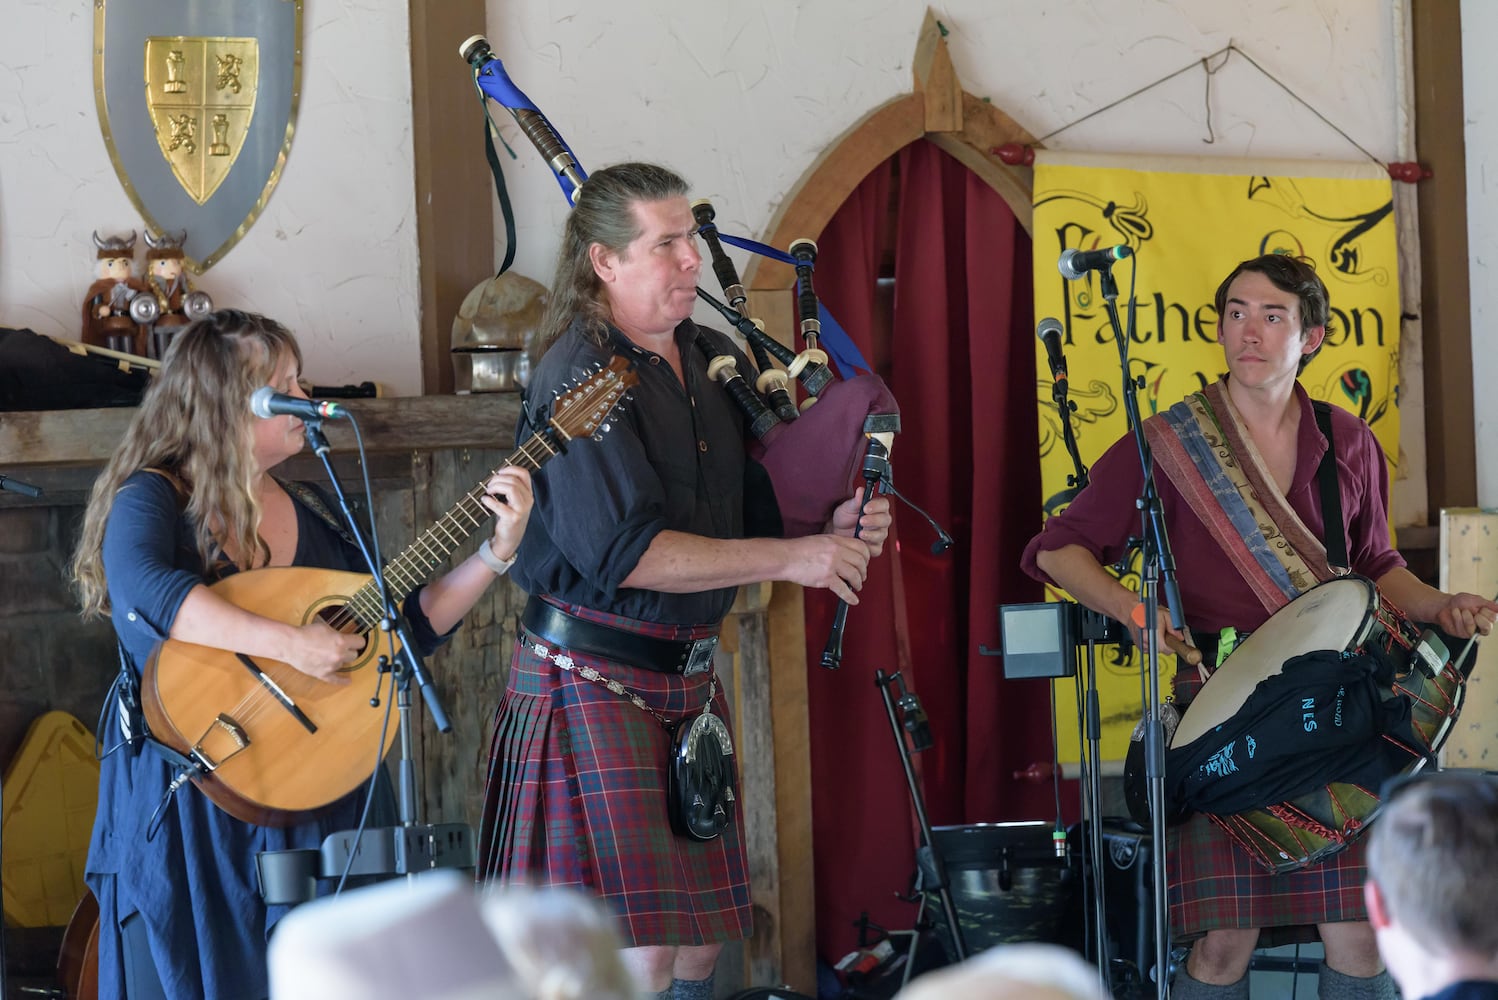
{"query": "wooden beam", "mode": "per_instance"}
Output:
(408, 423)
(454, 216)
(1450, 436)
(936, 79)
(877, 136)
(832, 177)
(797, 930)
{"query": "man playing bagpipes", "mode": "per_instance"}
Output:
(638, 542)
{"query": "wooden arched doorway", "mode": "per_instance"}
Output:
(968, 129)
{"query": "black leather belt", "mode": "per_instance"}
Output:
(666, 656)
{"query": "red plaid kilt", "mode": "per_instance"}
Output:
(576, 796)
(1216, 884)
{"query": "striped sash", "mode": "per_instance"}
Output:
(1202, 446)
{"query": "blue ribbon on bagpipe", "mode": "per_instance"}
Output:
(841, 351)
(495, 83)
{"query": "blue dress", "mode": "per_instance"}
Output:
(194, 882)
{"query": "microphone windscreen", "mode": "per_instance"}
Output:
(260, 402)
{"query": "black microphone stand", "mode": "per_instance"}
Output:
(1158, 570)
(408, 664)
(1092, 762)
(920, 739)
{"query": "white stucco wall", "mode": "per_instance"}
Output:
(333, 255)
(1480, 105)
(740, 98)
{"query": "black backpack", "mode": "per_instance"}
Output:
(1323, 718)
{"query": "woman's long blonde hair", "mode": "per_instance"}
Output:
(195, 425)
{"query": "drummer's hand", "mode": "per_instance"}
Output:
(1466, 614)
(1168, 638)
(875, 522)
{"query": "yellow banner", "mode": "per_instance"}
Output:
(1189, 224)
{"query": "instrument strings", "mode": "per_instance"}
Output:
(362, 610)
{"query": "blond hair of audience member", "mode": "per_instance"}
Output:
(1433, 879)
(560, 944)
(1012, 972)
(438, 937)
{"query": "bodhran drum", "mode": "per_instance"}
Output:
(1346, 615)
(1006, 880)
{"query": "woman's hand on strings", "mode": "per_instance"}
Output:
(508, 496)
(319, 651)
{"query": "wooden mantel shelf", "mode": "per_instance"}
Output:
(408, 423)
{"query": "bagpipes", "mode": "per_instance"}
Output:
(815, 455)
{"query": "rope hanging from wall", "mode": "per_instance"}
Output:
(1017, 154)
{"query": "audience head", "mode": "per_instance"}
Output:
(1012, 972)
(1433, 876)
(439, 938)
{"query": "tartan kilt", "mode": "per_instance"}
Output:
(576, 796)
(1214, 883)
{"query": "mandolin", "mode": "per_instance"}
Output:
(272, 742)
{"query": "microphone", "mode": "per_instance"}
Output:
(1049, 333)
(1075, 263)
(915, 722)
(25, 489)
(266, 402)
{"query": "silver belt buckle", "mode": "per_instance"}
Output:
(700, 659)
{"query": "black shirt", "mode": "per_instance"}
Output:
(672, 458)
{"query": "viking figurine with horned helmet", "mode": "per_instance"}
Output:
(177, 302)
(107, 317)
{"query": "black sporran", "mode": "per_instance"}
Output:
(699, 786)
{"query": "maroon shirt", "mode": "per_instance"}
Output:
(1102, 517)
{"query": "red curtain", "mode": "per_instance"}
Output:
(958, 352)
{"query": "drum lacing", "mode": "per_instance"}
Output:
(1292, 817)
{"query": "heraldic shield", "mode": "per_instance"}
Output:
(198, 104)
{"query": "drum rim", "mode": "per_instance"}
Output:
(1289, 611)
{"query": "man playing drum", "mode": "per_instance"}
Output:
(1265, 447)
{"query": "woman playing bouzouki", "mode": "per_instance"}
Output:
(187, 499)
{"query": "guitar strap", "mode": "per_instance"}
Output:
(124, 696)
(310, 497)
(1334, 532)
